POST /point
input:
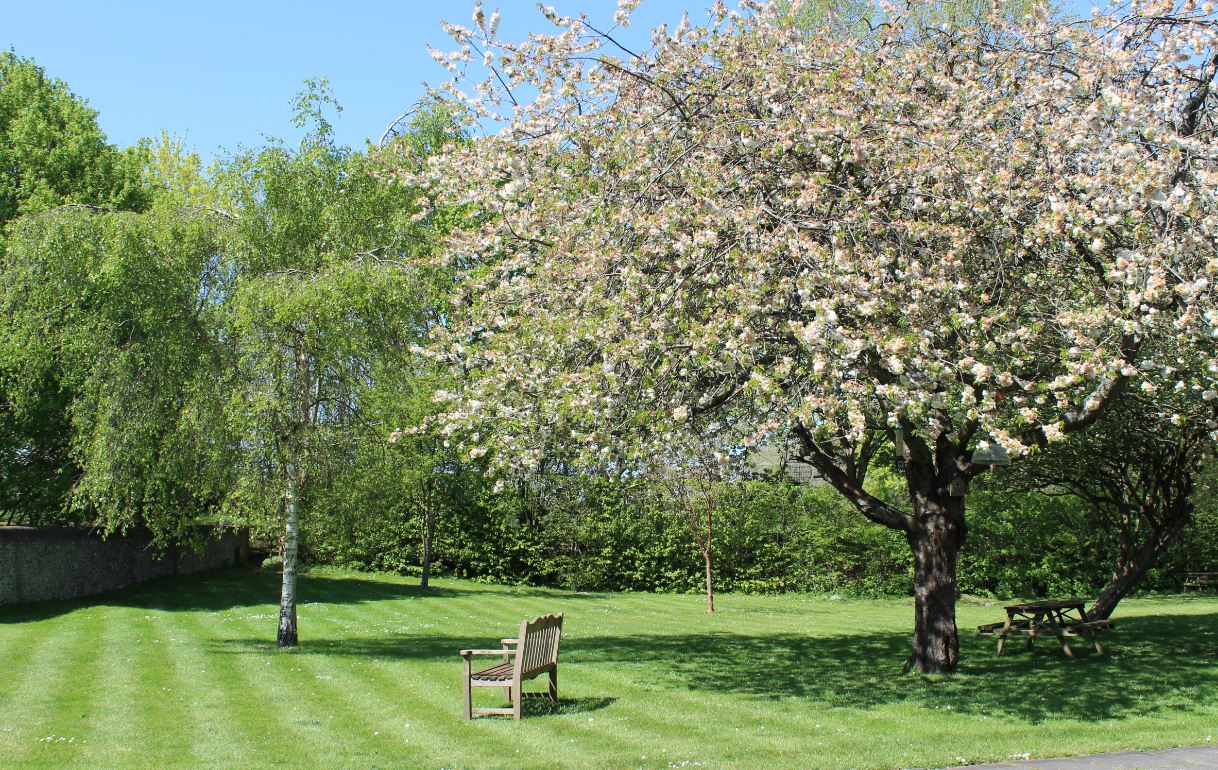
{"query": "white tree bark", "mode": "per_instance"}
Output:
(304, 414)
(291, 544)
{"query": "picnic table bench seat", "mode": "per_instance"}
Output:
(1093, 625)
(1071, 630)
(533, 653)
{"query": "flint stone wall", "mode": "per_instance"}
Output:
(40, 563)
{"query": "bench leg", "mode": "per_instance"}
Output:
(1095, 639)
(507, 691)
(516, 699)
(468, 705)
(1002, 642)
(554, 685)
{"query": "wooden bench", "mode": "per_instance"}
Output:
(533, 653)
(1201, 580)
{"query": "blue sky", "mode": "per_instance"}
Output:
(222, 74)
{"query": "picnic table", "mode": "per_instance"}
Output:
(1061, 618)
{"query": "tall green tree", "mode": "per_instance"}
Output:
(52, 150)
(429, 475)
(122, 309)
(323, 250)
(52, 153)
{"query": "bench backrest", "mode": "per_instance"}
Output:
(538, 646)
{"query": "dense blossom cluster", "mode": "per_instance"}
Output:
(750, 228)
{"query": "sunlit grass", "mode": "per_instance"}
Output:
(184, 673)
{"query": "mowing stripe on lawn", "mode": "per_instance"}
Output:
(703, 719)
(24, 651)
(431, 689)
(52, 691)
(376, 698)
(268, 700)
(437, 686)
(284, 699)
(315, 664)
(19, 644)
(218, 742)
(125, 722)
(244, 709)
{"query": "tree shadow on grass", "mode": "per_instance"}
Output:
(1153, 664)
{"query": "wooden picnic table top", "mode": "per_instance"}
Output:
(1046, 605)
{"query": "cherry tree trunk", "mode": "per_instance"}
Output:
(1131, 569)
(291, 546)
(935, 540)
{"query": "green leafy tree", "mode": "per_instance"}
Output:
(1137, 471)
(430, 475)
(52, 153)
(323, 251)
(120, 311)
(52, 150)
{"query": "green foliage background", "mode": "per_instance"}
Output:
(596, 534)
(52, 154)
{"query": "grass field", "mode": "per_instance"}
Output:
(184, 673)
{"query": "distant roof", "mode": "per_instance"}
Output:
(773, 458)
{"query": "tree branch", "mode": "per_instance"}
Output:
(826, 464)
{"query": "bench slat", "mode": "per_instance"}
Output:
(502, 672)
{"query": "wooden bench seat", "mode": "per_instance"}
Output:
(1201, 580)
(533, 653)
(497, 674)
(1093, 625)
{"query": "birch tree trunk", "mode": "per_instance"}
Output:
(302, 415)
(291, 545)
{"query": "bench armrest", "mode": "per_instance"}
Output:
(509, 641)
(467, 653)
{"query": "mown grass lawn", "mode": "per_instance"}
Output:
(184, 673)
